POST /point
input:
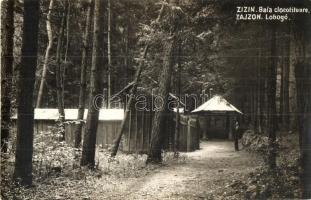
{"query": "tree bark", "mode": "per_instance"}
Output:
(281, 105)
(286, 120)
(126, 52)
(82, 93)
(67, 32)
(96, 88)
(109, 54)
(6, 72)
(259, 92)
(129, 104)
(25, 110)
(164, 80)
(154, 154)
(272, 118)
(47, 55)
(177, 116)
(67, 22)
(58, 74)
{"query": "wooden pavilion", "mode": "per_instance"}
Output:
(216, 118)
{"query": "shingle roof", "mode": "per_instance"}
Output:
(216, 104)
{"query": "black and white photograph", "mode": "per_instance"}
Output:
(155, 99)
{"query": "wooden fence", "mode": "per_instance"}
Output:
(189, 134)
(137, 134)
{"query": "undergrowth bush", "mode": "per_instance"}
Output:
(262, 183)
(50, 154)
(57, 173)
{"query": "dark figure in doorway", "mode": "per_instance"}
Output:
(235, 135)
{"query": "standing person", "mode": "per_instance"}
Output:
(235, 135)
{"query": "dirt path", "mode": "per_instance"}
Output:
(204, 175)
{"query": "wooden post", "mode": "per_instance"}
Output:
(142, 130)
(189, 139)
(129, 135)
(136, 131)
(198, 134)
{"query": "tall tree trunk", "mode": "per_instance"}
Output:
(25, 110)
(259, 92)
(256, 94)
(6, 71)
(177, 116)
(252, 108)
(262, 95)
(58, 73)
(286, 120)
(164, 80)
(67, 32)
(109, 54)
(272, 118)
(67, 14)
(96, 88)
(129, 104)
(281, 105)
(154, 154)
(47, 55)
(126, 41)
(82, 93)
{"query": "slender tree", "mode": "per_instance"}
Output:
(286, 100)
(281, 104)
(6, 71)
(67, 32)
(84, 64)
(25, 110)
(47, 54)
(109, 54)
(272, 118)
(67, 45)
(96, 87)
(259, 91)
(126, 45)
(58, 74)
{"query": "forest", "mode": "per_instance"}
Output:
(129, 99)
